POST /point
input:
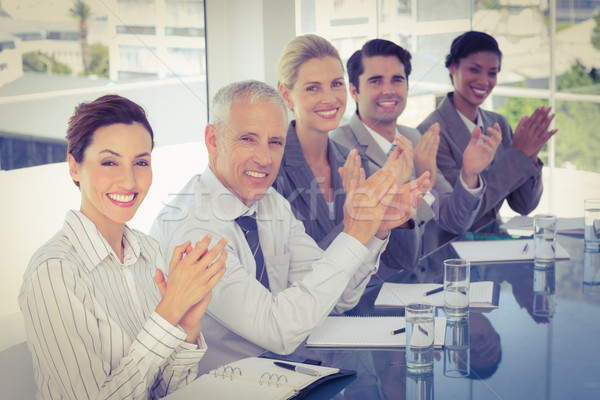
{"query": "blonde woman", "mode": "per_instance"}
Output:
(312, 83)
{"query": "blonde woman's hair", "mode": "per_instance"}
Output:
(298, 51)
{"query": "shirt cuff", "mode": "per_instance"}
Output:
(190, 354)
(474, 192)
(158, 338)
(349, 253)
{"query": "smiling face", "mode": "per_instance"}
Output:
(383, 88)
(474, 78)
(318, 96)
(245, 158)
(115, 173)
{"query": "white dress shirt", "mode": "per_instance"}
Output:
(306, 283)
(90, 320)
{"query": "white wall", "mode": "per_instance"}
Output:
(244, 39)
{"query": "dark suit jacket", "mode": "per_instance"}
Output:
(511, 175)
(297, 183)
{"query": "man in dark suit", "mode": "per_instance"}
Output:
(378, 75)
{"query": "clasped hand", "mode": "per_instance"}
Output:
(376, 205)
(193, 272)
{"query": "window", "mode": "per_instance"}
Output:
(524, 32)
(133, 50)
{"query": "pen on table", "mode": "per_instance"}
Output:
(439, 289)
(525, 248)
(398, 331)
(297, 368)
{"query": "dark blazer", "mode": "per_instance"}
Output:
(297, 183)
(511, 175)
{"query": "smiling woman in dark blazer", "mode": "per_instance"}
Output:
(515, 174)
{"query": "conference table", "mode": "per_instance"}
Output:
(523, 349)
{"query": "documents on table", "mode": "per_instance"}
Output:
(570, 226)
(350, 331)
(253, 378)
(481, 294)
(482, 251)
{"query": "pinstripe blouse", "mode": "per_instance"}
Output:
(90, 320)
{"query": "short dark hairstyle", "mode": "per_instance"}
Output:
(376, 47)
(106, 110)
(472, 42)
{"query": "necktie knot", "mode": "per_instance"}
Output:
(247, 222)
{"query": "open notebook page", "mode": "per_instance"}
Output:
(366, 332)
(483, 251)
(400, 294)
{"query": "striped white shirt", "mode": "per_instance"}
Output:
(90, 320)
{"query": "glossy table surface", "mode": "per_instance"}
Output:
(514, 353)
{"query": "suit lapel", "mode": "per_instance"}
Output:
(456, 131)
(306, 184)
(366, 142)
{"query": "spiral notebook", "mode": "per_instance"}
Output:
(340, 331)
(254, 378)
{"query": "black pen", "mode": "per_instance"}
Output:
(398, 331)
(297, 368)
(439, 289)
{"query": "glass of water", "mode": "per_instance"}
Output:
(591, 217)
(457, 278)
(544, 239)
(420, 335)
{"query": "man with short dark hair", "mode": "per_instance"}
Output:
(378, 75)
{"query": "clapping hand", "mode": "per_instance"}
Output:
(425, 153)
(402, 203)
(193, 272)
(400, 161)
(479, 153)
(364, 207)
(532, 132)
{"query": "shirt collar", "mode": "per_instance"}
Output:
(224, 204)
(91, 246)
(380, 140)
(469, 124)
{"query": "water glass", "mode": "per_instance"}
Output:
(420, 335)
(591, 272)
(544, 239)
(544, 286)
(543, 305)
(419, 386)
(457, 279)
(457, 355)
(591, 219)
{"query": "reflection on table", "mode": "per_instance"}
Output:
(540, 343)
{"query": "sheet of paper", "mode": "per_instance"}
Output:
(573, 226)
(366, 332)
(401, 294)
(481, 251)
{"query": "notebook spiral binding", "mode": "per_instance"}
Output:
(229, 372)
(272, 379)
(225, 372)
